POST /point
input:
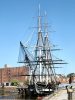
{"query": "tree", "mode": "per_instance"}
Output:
(14, 82)
(71, 75)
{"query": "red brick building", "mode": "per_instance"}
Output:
(7, 74)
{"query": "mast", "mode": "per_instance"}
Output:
(48, 56)
(39, 45)
(39, 20)
(46, 47)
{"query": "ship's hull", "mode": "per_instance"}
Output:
(39, 89)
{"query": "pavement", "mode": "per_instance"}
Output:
(73, 95)
(60, 95)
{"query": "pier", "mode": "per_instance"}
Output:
(22, 90)
(62, 94)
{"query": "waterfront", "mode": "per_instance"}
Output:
(9, 94)
(12, 93)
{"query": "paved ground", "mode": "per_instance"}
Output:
(73, 95)
(61, 95)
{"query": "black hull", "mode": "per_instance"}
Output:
(34, 91)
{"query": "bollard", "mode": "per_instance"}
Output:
(69, 91)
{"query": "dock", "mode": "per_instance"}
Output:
(62, 94)
(22, 90)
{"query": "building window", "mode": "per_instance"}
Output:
(7, 84)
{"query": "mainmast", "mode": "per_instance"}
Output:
(39, 46)
(39, 21)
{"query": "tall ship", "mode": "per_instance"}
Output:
(42, 75)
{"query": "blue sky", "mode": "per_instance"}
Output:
(16, 16)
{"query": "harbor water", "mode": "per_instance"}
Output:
(8, 95)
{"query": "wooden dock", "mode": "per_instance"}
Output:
(22, 90)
